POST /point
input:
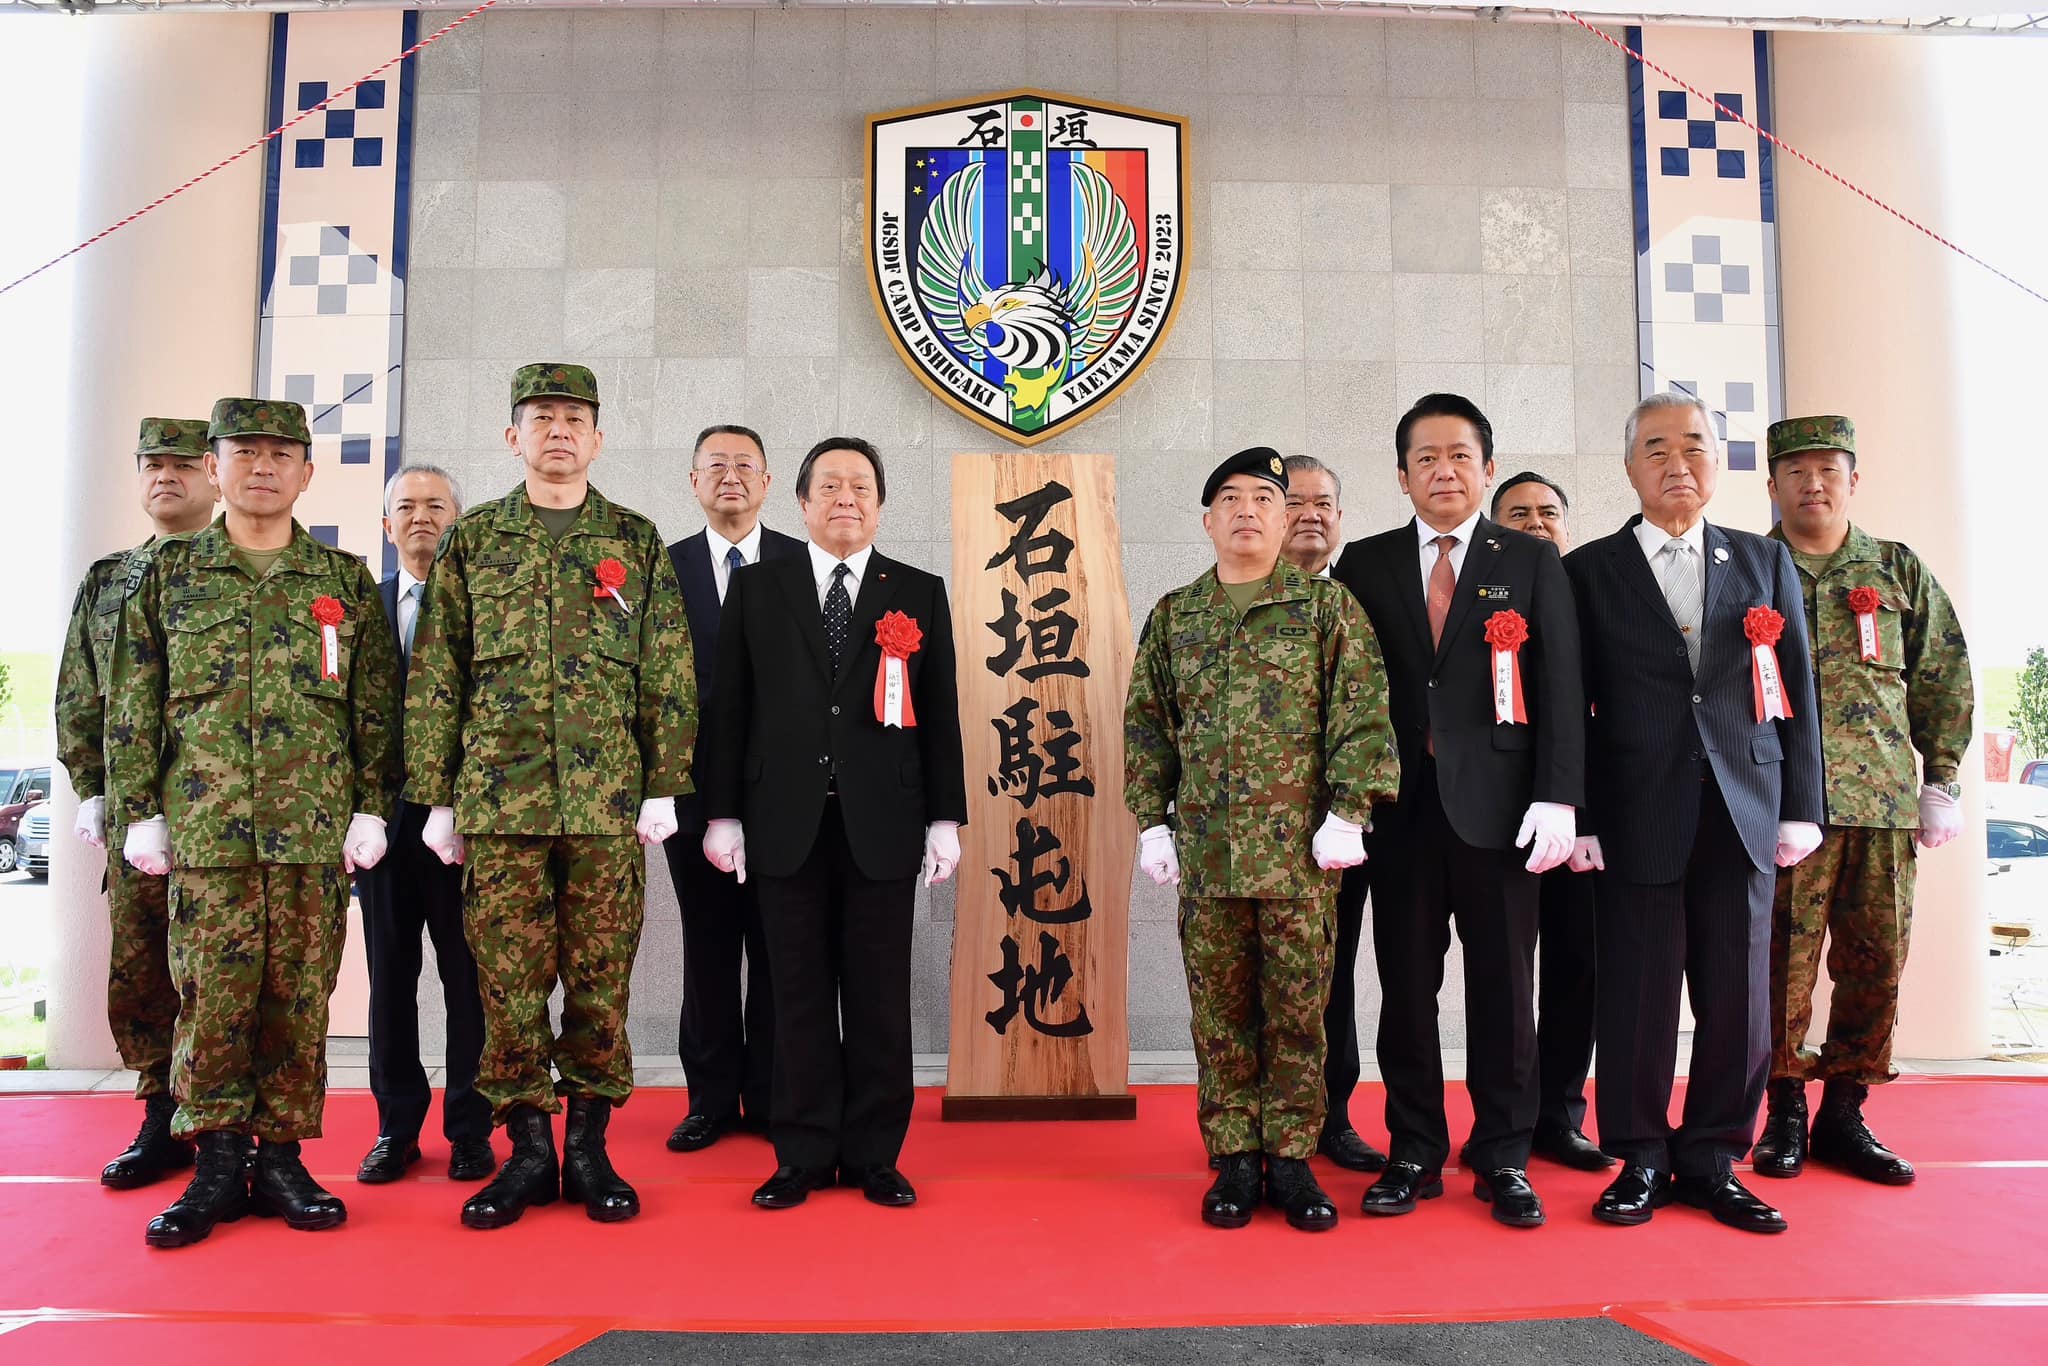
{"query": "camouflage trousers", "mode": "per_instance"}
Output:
(1856, 890)
(1258, 979)
(255, 952)
(541, 907)
(142, 1001)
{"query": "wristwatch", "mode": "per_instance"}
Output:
(1953, 789)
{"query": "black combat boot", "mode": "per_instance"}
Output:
(1782, 1149)
(154, 1154)
(529, 1176)
(283, 1186)
(1291, 1187)
(587, 1175)
(1842, 1139)
(1234, 1194)
(217, 1194)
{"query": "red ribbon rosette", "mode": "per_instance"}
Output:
(1506, 631)
(1865, 602)
(328, 614)
(611, 577)
(900, 637)
(1763, 626)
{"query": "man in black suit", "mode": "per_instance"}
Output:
(1703, 776)
(727, 1048)
(833, 767)
(411, 890)
(1482, 650)
(1564, 938)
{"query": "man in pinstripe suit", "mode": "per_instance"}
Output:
(1703, 776)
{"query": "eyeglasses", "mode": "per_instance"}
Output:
(747, 470)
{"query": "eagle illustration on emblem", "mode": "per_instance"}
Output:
(1026, 250)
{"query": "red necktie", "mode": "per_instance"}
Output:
(1442, 583)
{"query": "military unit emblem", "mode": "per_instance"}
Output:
(1026, 251)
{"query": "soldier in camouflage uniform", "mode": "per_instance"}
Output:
(142, 1003)
(551, 712)
(1257, 701)
(1894, 678)
(252, 751)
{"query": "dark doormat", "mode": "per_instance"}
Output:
(1523, 1342)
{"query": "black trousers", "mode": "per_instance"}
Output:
(1340, 1017)
(1565, 999)
(1425, 879)
(839, 951)
(727, 1046)
(1710, 930)
(411, 890)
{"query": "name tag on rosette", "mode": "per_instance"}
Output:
(328, 612)
(900, 637)
(1763, 626)
(1865, 602)
(1506, 632)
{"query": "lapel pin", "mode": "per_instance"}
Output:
(1720, 554)
(1492, 544)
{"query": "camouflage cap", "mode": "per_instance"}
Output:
(259, 417)
(171, 436)
(1796, 434)
(553, 379)
(1262, 461)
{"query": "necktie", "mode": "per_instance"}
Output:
(733, 560)
(412, 624)
(1682, 591)
(838, 615)
(1443, 582)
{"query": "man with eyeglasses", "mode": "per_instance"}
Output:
(727, 1048)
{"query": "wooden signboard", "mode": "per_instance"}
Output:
(1041, 936)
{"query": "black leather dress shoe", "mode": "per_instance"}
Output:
(1634, 1196)
(1569, 1147)
(882, 1185)
(1514, 1200)
(791, 1186)
(1291, 1187)
(1728, 1201)
(471, 1159)
(1350, 1151)
(1400, 1186)
(387, 1160)
(697, 1132)
(1234, 1194)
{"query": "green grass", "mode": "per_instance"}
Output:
(22, 1032)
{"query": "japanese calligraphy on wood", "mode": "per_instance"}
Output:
(1040, 926)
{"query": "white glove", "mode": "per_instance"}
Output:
(92, 821)
(1339, 844)
(148, 846)
(941, 851)
(1586, 856)
(1156, 856)
(725, 844)
(439, 835)
(1941, 816)
(1549, 832)
(657, 820)
(364, 844)
(1796, 839)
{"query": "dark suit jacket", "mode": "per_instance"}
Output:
(1656, 731)
(692, 559)
(1487, 773)
(779, 725)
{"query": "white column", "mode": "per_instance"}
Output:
(1870, 331)
(164, 322)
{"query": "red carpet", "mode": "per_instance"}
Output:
(1020, 1226)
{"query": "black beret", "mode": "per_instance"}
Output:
(1263, 461)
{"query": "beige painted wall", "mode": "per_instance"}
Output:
(1870, 330)
(164, 322)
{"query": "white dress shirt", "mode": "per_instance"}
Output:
(1426, 536)
(748, 545)
(822, 565)
(408, 607)
(1653, 539)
